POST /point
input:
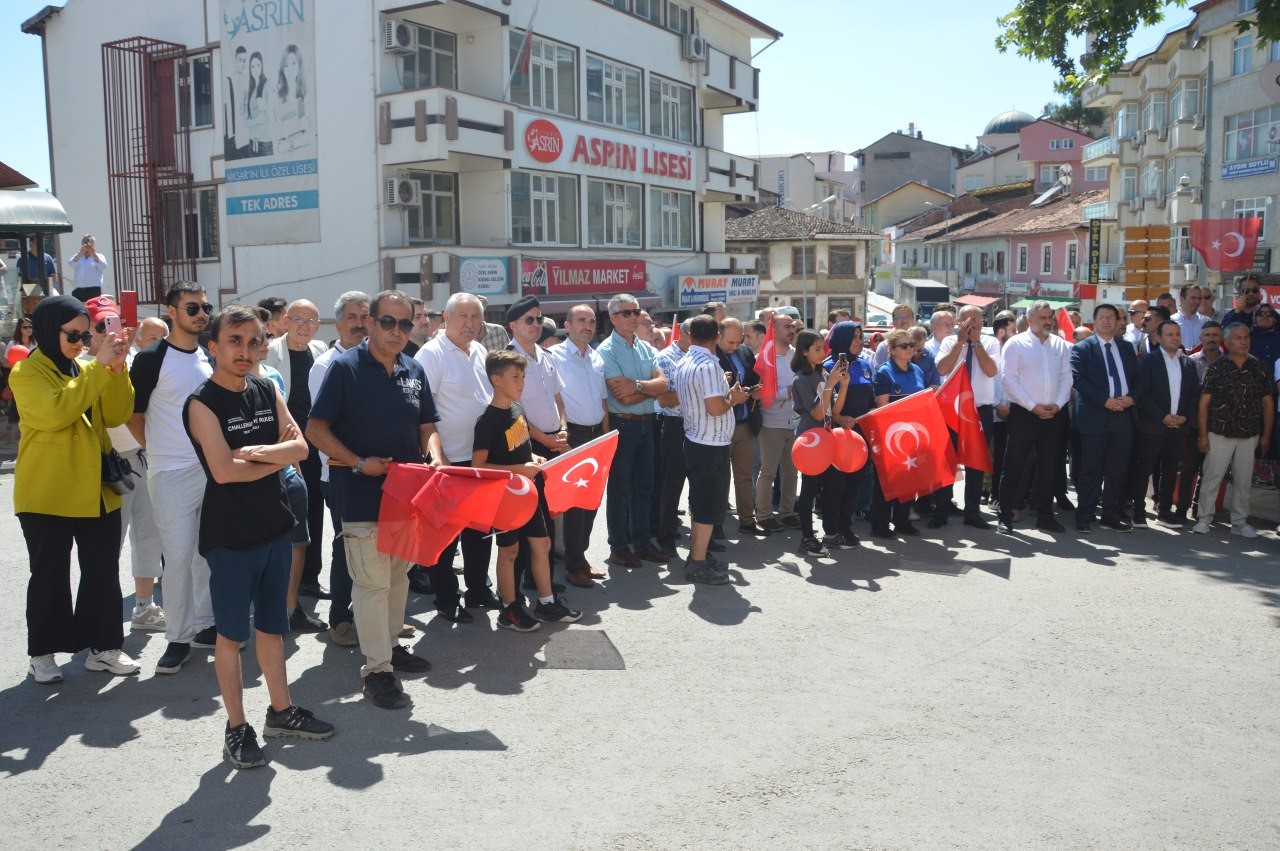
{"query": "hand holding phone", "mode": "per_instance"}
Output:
(112, 324)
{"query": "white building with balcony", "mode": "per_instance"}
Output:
(446, 147)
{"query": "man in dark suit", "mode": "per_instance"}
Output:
(748, 418)
(1170, 396)
(1104, 370)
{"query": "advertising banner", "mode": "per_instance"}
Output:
(580, 277)
(483, 275)
(698, 290)
(597, 151)
(268, 122)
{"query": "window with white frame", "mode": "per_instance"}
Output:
(190, 224)
(1244, 7)
(195, 92)
(1048, 173)
(617, 4)
(1248, 134)
(1185, 101)
(1180, 247)
(1126, 122)
(1128, 184)
(544, 209)
(1073, 255)
(1252, 208)
(1095, 174)
(1046, 259)
(1273, 51)
(1067, 144)
(1053, 144)
(613, 214)
(671, 219)
(1154, 112)
(435, 220)
(650, 10)
(547, 78)
(613, 94)
(1241, 54)
(678, 18)
(1152, 178)
(670, 109)
(434, 63)
(1022, 259)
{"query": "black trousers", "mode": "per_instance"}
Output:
(1157, 452)
(1189, 472)
(524, 555)
(999, 443)
(671, 485)
(578, 522)
(314, 560)
(53, 625)
(659, 471)
(477, 549)
(882, 510)
(1103, 469)
(973, 479)
(1031, 437)
(828, 490)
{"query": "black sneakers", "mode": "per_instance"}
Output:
(294, 723)
(175, 656)
(241, 746)
(403, 660)
(302, 621)
(383, 691)
(515, 618)
(555, 612)
(206, 638)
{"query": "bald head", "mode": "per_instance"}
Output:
(149, 330)
(302, 320)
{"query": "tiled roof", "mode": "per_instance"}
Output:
(779, 223)
(1059, 214)
(900, 186)
(952, 226)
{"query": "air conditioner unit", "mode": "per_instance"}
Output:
(402, 192)
(1163, 134)
(1136, 140)
(1195, 195)
(1197, 121)
(1141, 140)
(399, 36)
(1191, 270)
(693, 47)
(1135, 204)
(1160, 200)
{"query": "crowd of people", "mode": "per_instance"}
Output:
(216, 442)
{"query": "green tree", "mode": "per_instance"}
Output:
(1073, 113)
(1040, 30)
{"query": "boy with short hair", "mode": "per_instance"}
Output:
(502, 443)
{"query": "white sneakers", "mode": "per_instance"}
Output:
(1244, 530)
(112, 661)
(150, 617)
(1201, 527)
(45, 670)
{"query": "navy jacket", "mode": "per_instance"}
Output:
(755, 415)
(1092, 383)
(1153, 407)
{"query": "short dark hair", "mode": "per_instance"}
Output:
(1001, 322)
(178, 289)
(1182, 293)
(1160, 310)
(757, 326)
(417, 302)
(500, 360)
(1212, 323)
(800, 359)
(233, 316)
(273, 305)
(264, 315)
(1166, 323)
(710, 308)
(1105, 306)
(375, 306)
(703, 329)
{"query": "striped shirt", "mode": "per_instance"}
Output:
(698, 377)
(668, 359)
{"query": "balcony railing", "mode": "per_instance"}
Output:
(1101, 148)
(1107, 272)
(1101, 210)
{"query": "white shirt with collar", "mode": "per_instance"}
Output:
(984, 386)
(582, 387)
(1191, 327)
(541, 384)
(1035, 372)
(461, 390)
(782, 414)
(315, 379)
(1173, 366)
(1134, 335)
(1115, 353)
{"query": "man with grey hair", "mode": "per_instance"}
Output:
(671, 447)
(495, 336)
(293, 355)
(777, 433)
(351, 311)
(631, 373)
(941, 325)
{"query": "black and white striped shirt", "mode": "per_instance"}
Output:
(698, 377)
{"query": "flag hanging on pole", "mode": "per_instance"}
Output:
(767, 368)
(1227, 245)
(1067, 329)
(521, 64)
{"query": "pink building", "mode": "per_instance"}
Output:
(1045, 146)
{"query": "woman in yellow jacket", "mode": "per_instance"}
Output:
(66, 408)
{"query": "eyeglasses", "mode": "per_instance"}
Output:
(389, 323)
(74, 337)
(192, 308)
(902, 316)
(904, 345)
(25, 327)
(530, 319)
(267, 337)
(303, 321)
(627, 314)
(1134, 312)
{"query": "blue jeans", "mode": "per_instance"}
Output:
(630, 485)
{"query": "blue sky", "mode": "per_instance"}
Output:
(844, 74)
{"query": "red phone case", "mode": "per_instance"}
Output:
(129, 308)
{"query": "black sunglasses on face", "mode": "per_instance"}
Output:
(192, 308)
(74, 337)
(904, 345)
(1251, 291)
(388, 323)
(627, 314)
(530, 319)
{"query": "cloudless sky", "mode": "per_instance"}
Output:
(843, 75)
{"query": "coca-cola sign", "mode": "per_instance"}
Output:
(581, 277)
(543, 141)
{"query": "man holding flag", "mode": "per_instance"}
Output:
(777, 432)
(979, 357)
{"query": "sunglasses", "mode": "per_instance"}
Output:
(74, 337)
(390, 323)
(25, 327)
(1268, 314)
(1251, 291)
(530, 319)
(627, 314)
(904, 345)
(192, 308)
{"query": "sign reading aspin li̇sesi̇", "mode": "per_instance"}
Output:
(598, 152)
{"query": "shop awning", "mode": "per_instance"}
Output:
(560, 305)
(976, 300)
(31, 212)
(1053, 302)
(916, 283)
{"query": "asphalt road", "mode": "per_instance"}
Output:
(1118, 692)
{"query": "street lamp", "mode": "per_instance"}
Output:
(804, 257)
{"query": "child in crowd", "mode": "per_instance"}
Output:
(502, 443)
(811, 392)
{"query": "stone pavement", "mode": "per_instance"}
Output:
(1116, 691)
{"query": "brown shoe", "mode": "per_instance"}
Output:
(407, 630)
(623, 558)
(592, 572)
(651, 553)
(580, 578)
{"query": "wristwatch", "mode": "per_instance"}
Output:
(358, 469)
(639, 389)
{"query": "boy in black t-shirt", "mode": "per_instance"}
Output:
(244, 437)
(502, 443)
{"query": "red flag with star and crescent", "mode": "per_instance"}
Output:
(960, 412)
(910, 446)
(577, 478)
(1227, 245)
(424, 508)
(767, 368)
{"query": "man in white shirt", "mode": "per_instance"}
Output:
(454, 363)
(671, 448)
(1189, 318)
(941, 325)
(777, 433)
(981, 356)
(583, 391)
(1135, 332)
(1037, 380)
(87, 269)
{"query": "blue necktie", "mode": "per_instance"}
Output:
(968, 358)
(1114, 371)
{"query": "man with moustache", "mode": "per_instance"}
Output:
(1248, 297)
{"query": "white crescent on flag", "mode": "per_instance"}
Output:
(961, 408)
(585, 462)
(523, 482)
(894, 434)
(1240, 238)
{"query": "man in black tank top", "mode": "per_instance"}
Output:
(244, 437)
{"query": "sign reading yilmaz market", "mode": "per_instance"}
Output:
(268, 122)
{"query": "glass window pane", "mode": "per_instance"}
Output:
(568, 211)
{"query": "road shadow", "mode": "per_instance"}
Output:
(218, 813)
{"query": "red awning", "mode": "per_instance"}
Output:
(976, 300)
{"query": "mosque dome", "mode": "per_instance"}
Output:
(1008, 122)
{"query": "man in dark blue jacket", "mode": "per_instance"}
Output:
(1170, 396)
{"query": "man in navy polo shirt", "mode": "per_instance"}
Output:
(375, 407)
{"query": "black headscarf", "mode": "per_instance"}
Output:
(46, 323)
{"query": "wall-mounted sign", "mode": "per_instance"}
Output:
(599, 152)
(697, 290)
(581, 277)
(1250, 168)
(1095, 251)
(483, 275)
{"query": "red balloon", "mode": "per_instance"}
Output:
(813, 451)
(851, 450)
(16, 353)
(519, 501)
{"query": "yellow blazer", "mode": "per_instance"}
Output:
(59, 467)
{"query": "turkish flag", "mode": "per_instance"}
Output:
(424, 509)
(910, 446)
(464, 496)
(577, 478)
(948, 396)
(675, 329)
(1227, 245)
(1065, 327)
(960, 412)
(767, 368)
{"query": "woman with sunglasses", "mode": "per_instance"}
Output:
(22, 336)
(897, 379)
(58, 493)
